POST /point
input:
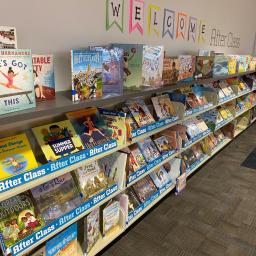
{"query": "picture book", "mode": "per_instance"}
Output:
(181, 131)
(19, 218)
(178, 97)
(130, 122)
(16, 81)
(160, 177)
(163, 106)
(110, 216)
(232, 63)
(148, 149)
(197, 150)
(172, 138)
(220, 67)
(57, 139)
(152, 65)
(92, 229)
(204, 66)
(132, 65)
(133, 201)
(164, 143)
(43, 73)
(90, 127)
(243, 64)
(112, 69)
(192, 101)
(136, 160)
(186, 67)
(200, 123)
(144, 188)
(252, 65)
(215, 86)
(86, 68)
(56, 197)
(223, 113)
(140, 112)
(8, 38)
(227, 90)
(188, 157)
(174, 168)
(170, 70)
(116, 122)
(199, 91)
(16, 156)
(64, 243)
(181, 183)
(192, 129)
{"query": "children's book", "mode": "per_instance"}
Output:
(57, 139)
(16, 81)
(8, 38)
(200, 123)
(227, 90)
(152, 65)
(181, 183)
(164, 143)
(86, 68)
(148, 149)
(64, 243)
(19, 218)
(232, 65)
(178, 97)
(188, 157)
(91, 128)
(204, 66)
(43, 73)
(186, 67)
(163, 106)
(197, 150)
(144, 188)
(140, 112)
(181, 131)
(172, 138)
(132, 65)
(16, 156)
(192, 128)
(136, 160)
(160, 177)
(175, 167)
(198, 91)
(192, 101)
(56, 197)
(220, 67)
(170, 70)
(133, 201)
(243, 63)
(130, 122)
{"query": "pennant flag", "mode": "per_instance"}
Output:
(181, 25)
(115, 14)
(136, 15)
(192, 27)
(153, 22)
(202, 32)
(168, 25)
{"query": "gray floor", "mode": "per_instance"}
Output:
(216, 215)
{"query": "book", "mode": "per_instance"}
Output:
(186, 67)
(8, 37)
(56, 197)
(188, 157)
(232, 65)
(64, 243)
(57, 139)
(86, 69)
(172, 138)
(43, 73)
(220, 67)
(133, 201)
(197, 150)
(148, 149)
(243, 63)
(177, 97)
(19, 218)
(181, 131)
(163, 106)
(170, 70)
(16, 156)
(192, 101)
(192, 129)
(133, 54)
(152, 65)
(227, 90)
(200, 123)
(16, 81)
(160, 177)
(140, 112)
(144, 188)
(181, 183)
(204, 66)
(164, 143)
(90, 127)
(175, 167)
(130, 122)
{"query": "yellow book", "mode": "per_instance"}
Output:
(223, 113)
(16, 156)
(232, 66)
(57, 139)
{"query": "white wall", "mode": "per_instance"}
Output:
(55, 26)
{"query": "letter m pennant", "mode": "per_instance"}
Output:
(115, 14)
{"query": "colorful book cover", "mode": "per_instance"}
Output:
(192, 129)
(181, 131)
(164, 143)
(16, 81)
(57, 139)
(252, 65)
(175, 167)
(91, 128)
(86, 68)
(140, 112)
(152, 65)
(64, 243)
(172, 137)
(43, 73)
(163, 106)
(197, 150)
(133, 201)
(133, 54)
(170, 70)
(204, 66)
(16, 156)
(178, 97)
(186, 70)
(56, 197)
(188, 157)
(19, 218)
(227, 90)
(148, 149)
(243, 63)
(160, 177)
(199, 91)
(8, 38)
(220, 67)
(181, 183)
(232, 65)
(136, 160)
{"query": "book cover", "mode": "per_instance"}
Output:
(181, 131)
(136, 160)
(56, 197)
(16, 156)
(91, 128)
(232, 63)
(175, 167)
(197, 150)
(152, 65)
(220, 67)
(64, 243)
(16, 81)
(243, 64)
(204, 66)
(170, 70)
(148, 149)
(160, 177)
(43, 72)
(8, 37)
(19, 218)
(133, 201)
(140, 112)
(227, 90)
(164, 143)
(199, 91)
(200, 123)
(188, 157)
(144, 188)
(163, 106)
(186, 70)
(178, 97)
(192, 128)
(192, 101)
(172, 137)
(86, 68)
(133, 54)
(181, 183)
(57, 139)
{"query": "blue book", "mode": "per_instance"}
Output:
(220, 67)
